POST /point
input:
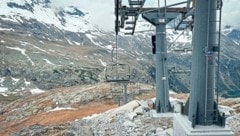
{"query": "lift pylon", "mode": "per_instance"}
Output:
(158, 17)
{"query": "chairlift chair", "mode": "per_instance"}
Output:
(117, 72)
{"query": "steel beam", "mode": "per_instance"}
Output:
(201, 104)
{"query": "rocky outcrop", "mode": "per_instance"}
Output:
(113, 122)
(48, 78)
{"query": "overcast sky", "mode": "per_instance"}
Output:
(102, 11)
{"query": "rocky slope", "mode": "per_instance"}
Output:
(81, 111)
(44, 47)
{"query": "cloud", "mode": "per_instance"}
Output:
(231, 13)
(101, 11)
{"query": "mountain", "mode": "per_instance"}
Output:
(232, 33)
(45, 47)
(52, 74)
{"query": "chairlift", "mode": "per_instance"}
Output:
(117, 73)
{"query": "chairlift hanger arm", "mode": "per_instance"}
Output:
(118, 4)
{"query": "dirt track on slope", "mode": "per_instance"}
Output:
(56, 117)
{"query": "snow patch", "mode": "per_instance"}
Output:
(92, 116)
(77, 43)
(138, 59)
(62, 108)
(227, 110)
(39, 49)
(51, 50)
(172, 92)
(3, 89)
(15, 80)
(23, 51)
(26, 82)
(36, 91)
(23, 43)
(48, 16)
(236, 42)
(109, 47)
(2, 79)
(69, 42)
(7, 29)
(49, 62)
(91, 38)
(4, 94)
(103, 63)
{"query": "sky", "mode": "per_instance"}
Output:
(102, 11)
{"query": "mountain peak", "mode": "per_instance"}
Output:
(74, 11)
(21, 12)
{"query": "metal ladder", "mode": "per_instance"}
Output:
(132, 15)
(214, 53)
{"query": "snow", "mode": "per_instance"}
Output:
(23, 43)
(4, 94)
(90, 37)
(171, 99)
(3, 89)
(62, 108)
(179, 36)
(172, 92)
(236, 42)
(92, 116)
(69, 42)
(39, 48)
(7, 29)
(2, 79)
(227, 31)
(103, 63)
(36, 91)
(23, 51)
(77, 43)
(51, 50)
(186, 53)
(227, 110)
(109, 47)
(15, 80)
(2, 41)
(138, 59)
(49, 62)
(48, 16)
(26, 82)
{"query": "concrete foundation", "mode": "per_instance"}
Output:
(183, 127)
(154, 114)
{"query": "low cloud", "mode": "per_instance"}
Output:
(101, 11)
(231, 13)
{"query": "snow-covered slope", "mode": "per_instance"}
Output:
(69, 19)
(232, 33)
